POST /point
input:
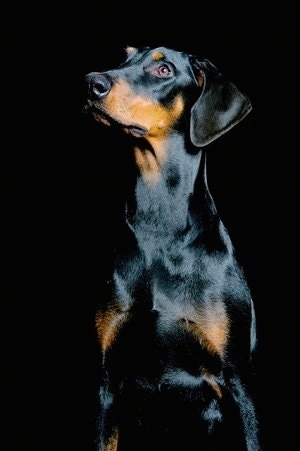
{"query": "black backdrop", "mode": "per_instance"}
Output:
(55, 207)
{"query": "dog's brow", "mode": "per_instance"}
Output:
(157, 56)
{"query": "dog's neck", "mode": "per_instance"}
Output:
(160, 204)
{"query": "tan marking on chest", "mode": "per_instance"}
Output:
(112, 442)
(209, 325)
(209, 378)
(108, 324)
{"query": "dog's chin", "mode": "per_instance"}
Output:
(134, 129)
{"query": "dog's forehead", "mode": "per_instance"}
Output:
(148, 55)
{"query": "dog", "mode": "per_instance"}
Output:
(176, 324)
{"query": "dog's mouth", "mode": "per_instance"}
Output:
(135, 130)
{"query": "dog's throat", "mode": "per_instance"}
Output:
(148, 163)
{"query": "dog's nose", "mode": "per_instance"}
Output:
(99, 85)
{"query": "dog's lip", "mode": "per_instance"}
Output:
(134, 129)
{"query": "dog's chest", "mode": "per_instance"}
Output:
(151, 318)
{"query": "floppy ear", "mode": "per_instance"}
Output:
(219, 108)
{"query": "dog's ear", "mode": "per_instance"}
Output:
(219, 108)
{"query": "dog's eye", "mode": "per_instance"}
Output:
(163, 70)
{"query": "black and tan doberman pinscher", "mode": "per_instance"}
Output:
(176, 325)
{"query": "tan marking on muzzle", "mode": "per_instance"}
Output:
(128, 108)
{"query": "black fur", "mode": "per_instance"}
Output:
(176, 324)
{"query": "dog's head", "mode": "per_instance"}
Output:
(157, 91)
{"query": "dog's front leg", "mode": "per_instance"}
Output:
(108, 427)
(108, 324)
(247, 413)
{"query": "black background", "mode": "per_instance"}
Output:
(56, 204)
